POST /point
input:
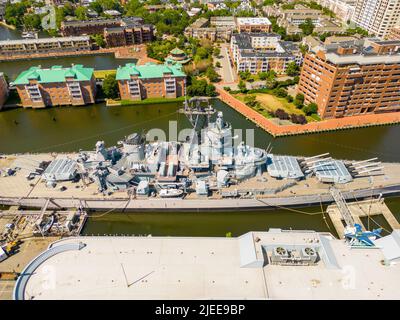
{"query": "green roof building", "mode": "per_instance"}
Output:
(56, 86)
(54, 74)
(177, 56)
(150, 80)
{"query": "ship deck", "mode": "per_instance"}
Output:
(262, 191)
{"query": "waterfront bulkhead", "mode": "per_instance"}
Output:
(3, 90)
(150, 81)
(56, 86)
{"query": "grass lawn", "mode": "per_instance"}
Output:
(270, 103)
(101, 74)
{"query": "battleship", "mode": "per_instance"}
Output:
(210, 170)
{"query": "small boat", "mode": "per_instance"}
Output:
(29, 35)
(170, 193)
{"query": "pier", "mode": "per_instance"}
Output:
(360, 209)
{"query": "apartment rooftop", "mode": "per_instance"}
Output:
(44, 40)
(362, 52)
(278, 264)
(101, 21)
(54, 74)
(302, 11)
(253, 21)
(223, 21)
(245, 45)
(199, 23)
(148, 70)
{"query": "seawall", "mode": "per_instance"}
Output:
(361, 121)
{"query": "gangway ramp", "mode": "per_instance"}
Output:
(342, 206)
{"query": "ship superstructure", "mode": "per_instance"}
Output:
(210, 160)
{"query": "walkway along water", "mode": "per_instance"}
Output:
(275, 130)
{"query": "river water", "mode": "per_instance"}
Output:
(12, 69)
(74, 128)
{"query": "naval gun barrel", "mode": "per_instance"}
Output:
(319, 160)
(368, 165)
(371, 170)
(360, 162)
(317, 156)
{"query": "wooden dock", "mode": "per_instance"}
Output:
(360, 209)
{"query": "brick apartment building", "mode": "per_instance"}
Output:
(95, 26)
(87, 27)
(260, 52)
(128, 35)
(56, 86)
(3, 90)
(150, 81)
(253, 25)
(352, 78)
(116, 32)
(216, 29)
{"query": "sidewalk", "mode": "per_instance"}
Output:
(312, 127)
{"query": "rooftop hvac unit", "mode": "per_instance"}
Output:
(309, 254)
(279, 255)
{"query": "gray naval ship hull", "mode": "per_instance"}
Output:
(190, 205)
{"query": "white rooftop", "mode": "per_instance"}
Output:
(211, 268)
(44, 40)
(253, 21)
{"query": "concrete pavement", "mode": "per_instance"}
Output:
(227, 73)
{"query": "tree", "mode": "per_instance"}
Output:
(250, 100)
(292, 69)
(289, 98)
(96, 6)
(245, 75)
(200, 88)
(298, 118)
(281, 114)
(212, 75)
(210, 90)
(280, 92)
(310, 109)
(99, 40)
(32, 22)
(217, 52)
(307, 27)
(80, 13)
(242, 85)
(201, 53)
(218, 64)
(110, 87)
(299, 100)
(270, 80)
(14, 13)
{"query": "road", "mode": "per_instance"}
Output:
(226, 71)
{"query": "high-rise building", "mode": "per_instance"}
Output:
(352, 78)
(150, 81)
(56, 86)
(377, 16)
